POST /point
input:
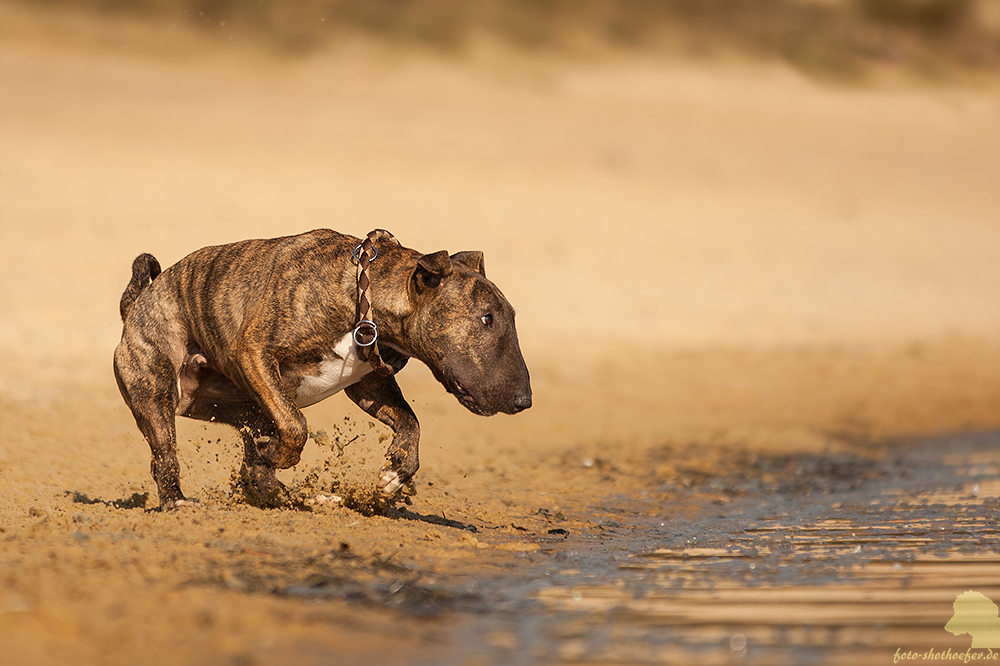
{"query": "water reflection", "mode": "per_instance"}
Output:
(867, 576)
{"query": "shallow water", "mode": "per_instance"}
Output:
(829, 567)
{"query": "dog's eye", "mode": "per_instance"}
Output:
(487, 319)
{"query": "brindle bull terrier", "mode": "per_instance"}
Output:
(249, 333)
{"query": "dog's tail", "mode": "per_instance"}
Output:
(145, 268)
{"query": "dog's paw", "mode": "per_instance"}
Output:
(324, 500)
(389, 482)
(180, 504)
(261, 488)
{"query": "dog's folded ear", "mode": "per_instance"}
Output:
(471, 259)
(431, 269)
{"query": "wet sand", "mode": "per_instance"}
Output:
(727, 278)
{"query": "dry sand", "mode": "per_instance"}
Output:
(706, 259)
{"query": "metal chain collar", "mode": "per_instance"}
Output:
(366, 332)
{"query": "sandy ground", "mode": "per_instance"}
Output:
(704, 260)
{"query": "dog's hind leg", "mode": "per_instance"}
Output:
(148, 382)
(218, 400)
(257, 476)
(263, 380)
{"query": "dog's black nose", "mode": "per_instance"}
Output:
(522, 402)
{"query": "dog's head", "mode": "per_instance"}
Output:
(462, 327)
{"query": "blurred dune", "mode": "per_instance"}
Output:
(626, 204)
(831, 38)
(629, 200)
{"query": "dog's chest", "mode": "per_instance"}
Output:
(338, 368)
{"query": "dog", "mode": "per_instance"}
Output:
(249, 333)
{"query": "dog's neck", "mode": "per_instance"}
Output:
(390, 276)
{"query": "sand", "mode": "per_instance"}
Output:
(705, 259)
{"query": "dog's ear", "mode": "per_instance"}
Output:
(431, 269)
(471, 259)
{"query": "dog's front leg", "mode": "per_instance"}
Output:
(263, 381)
(381, 398)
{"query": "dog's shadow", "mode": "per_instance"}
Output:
(139, 501)
(136, 501)
(406, 514)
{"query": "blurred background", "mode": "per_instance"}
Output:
(831, 37)
(674, 172)
(663, 175)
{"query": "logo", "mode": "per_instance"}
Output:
(976, 615)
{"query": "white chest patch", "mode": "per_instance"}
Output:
(339, 368)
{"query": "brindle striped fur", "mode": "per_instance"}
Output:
(231, 332)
